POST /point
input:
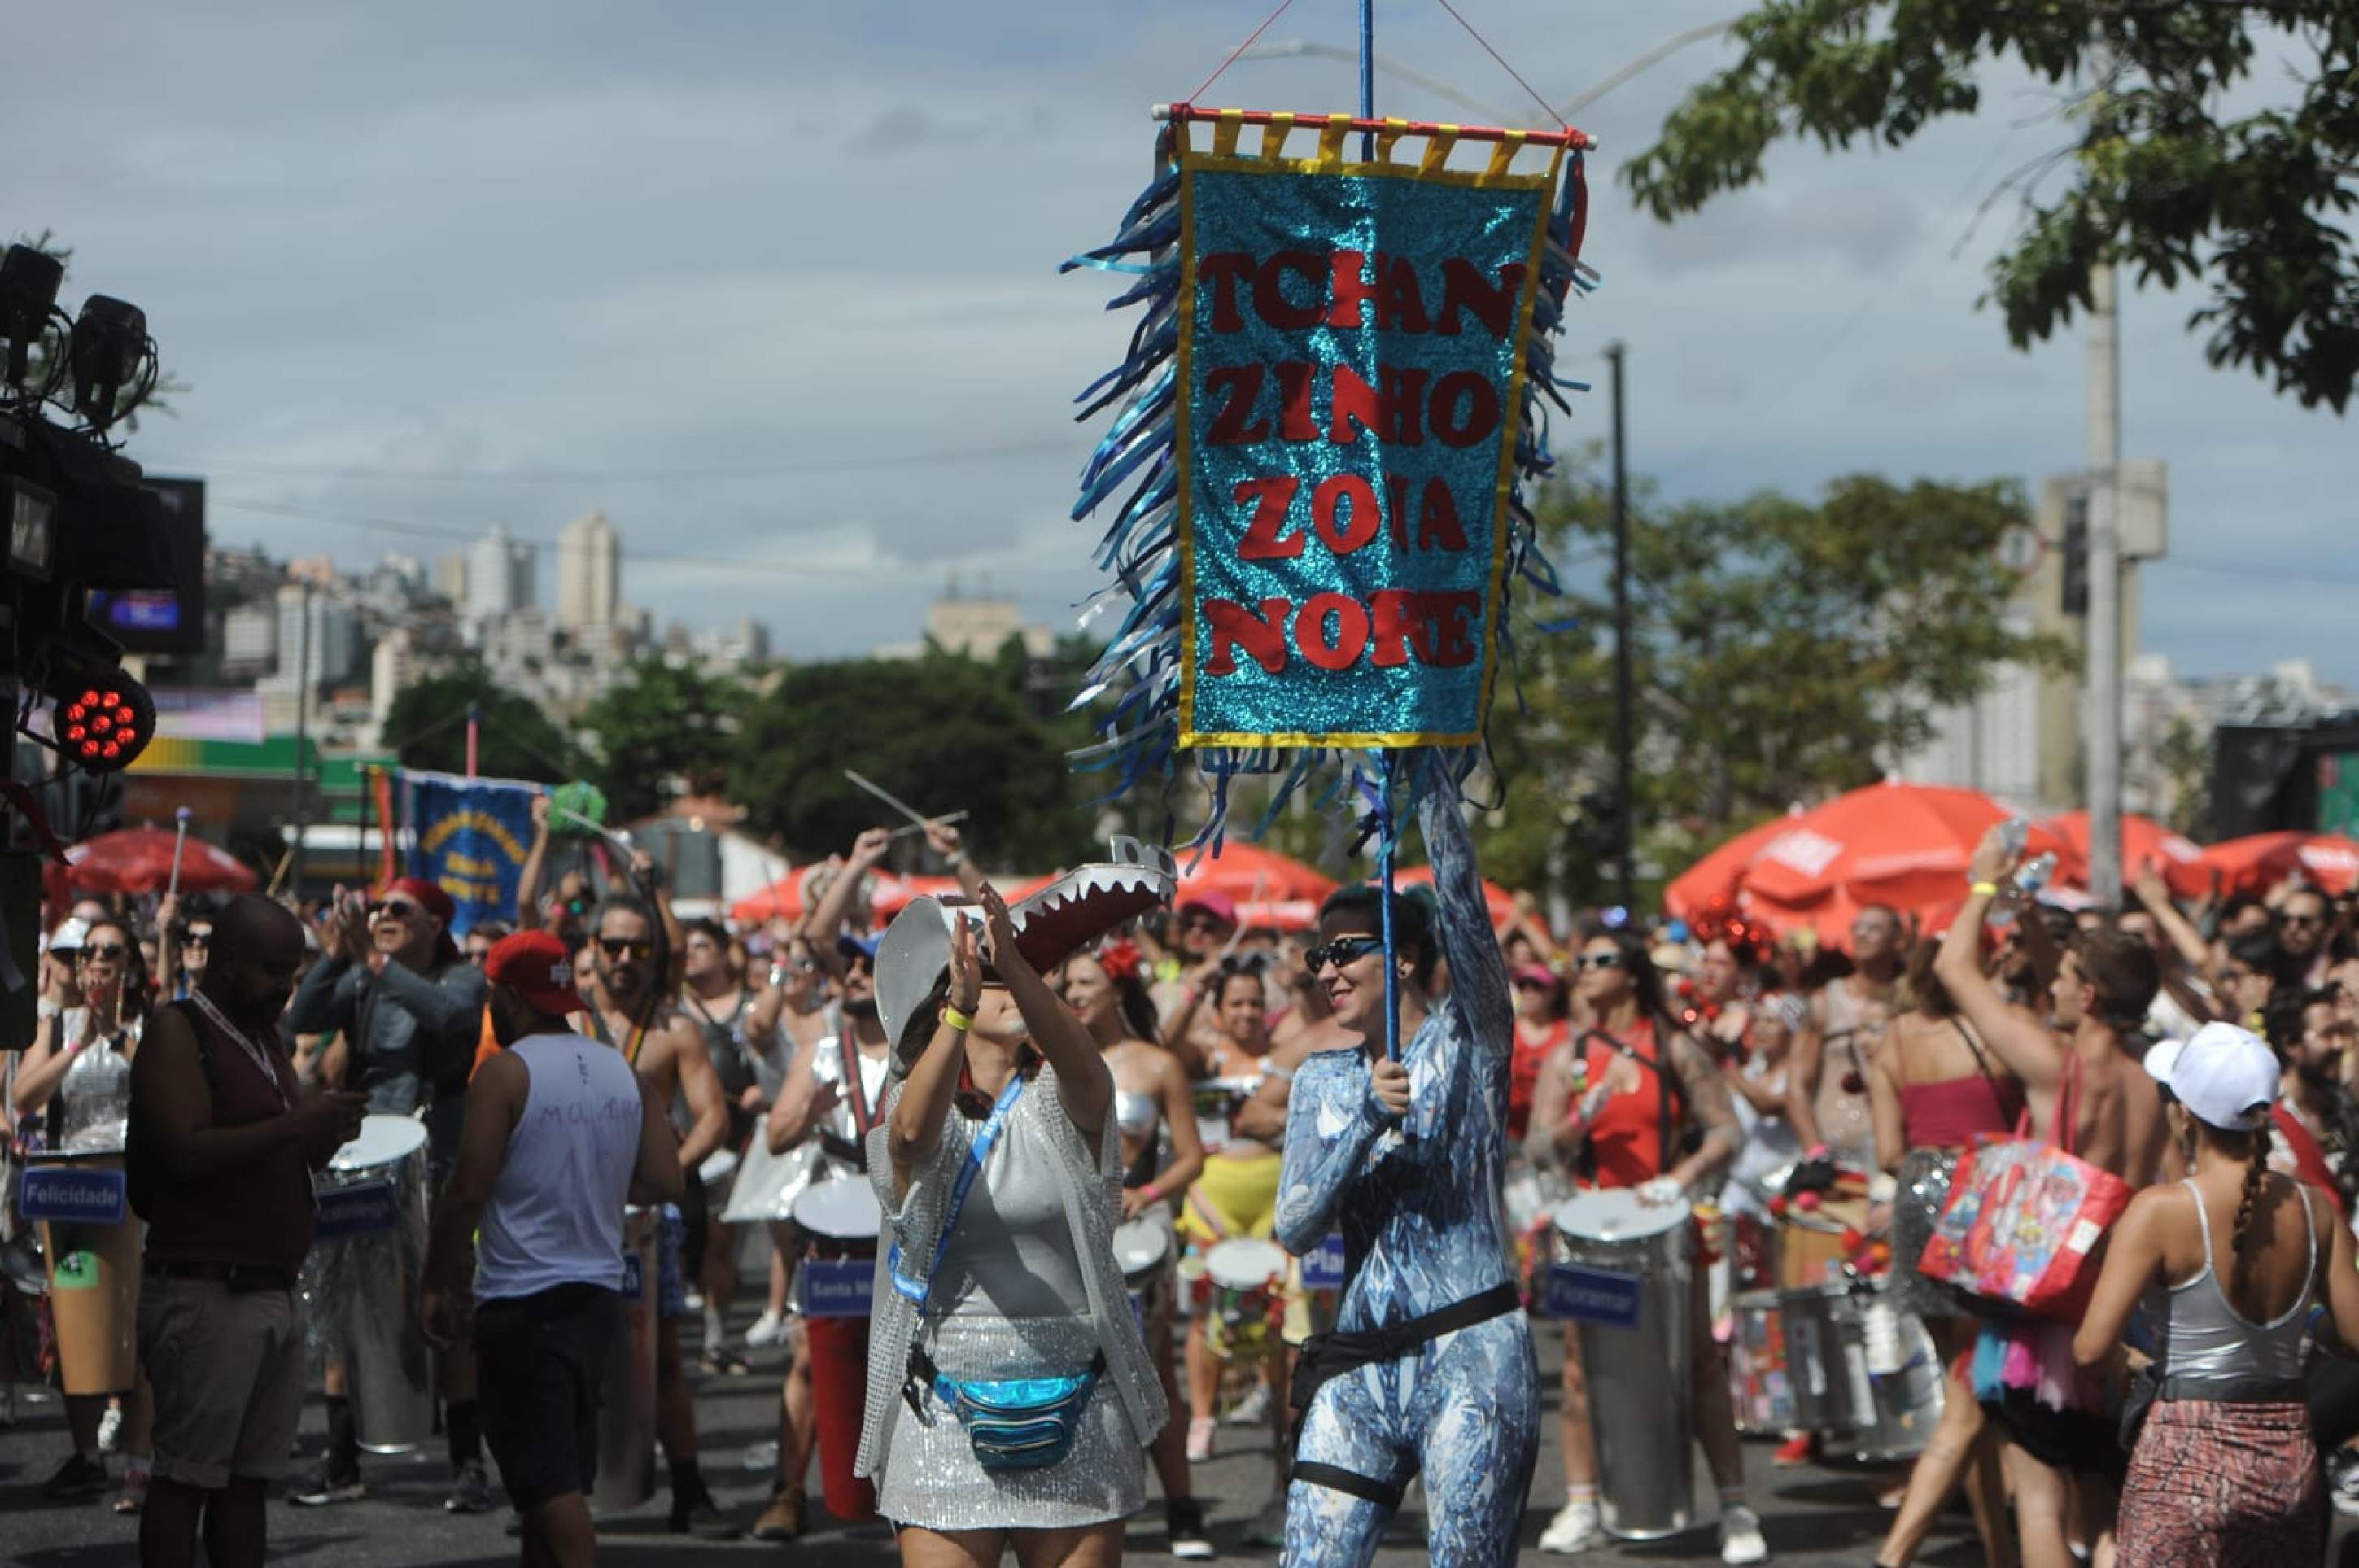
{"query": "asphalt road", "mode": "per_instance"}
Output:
(1811, 1514)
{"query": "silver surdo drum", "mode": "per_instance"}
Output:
(362, 1279)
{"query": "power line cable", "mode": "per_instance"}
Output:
(763, 469)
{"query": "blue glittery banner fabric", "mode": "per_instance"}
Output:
(1403, 437)
(1350, 363)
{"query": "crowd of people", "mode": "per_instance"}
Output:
(1100, 1163)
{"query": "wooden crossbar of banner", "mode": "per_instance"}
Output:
(1187, 113)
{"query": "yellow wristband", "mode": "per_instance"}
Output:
(1984, 890)
(956, 1019)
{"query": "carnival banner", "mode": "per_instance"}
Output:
(1325, 422)
(1349, 365)
(470, 837)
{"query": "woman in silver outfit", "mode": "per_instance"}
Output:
(1021, 1281)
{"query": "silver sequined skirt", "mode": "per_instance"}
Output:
(931, 1477)
(1924, 1188)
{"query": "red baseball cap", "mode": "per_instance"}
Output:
(535, 965)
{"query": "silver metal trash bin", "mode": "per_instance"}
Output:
(1623, 1279)
(363, 1276)
(626, 1404)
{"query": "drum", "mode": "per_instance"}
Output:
(91, 1241)
(1756, 1365)
(1217, 1100)
(1625, 1283)
(368, 1253)
(840, 1221)
(627, 1406)
(1246, 1296)
(1142, 1249)
(1863, 1375)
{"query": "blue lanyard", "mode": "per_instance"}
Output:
(977, 1152)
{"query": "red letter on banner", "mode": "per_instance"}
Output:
(1344, 509)
(1225, 272)
(1351, 630)
(1270, 290)
(1273, 497)
(1262, 636)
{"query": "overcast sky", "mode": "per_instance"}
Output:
(775, 285)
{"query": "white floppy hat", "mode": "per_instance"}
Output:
(1051, 924)
(2225, 1076)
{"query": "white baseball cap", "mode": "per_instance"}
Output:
(2225, 1076)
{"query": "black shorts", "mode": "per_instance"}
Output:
(539, 1362)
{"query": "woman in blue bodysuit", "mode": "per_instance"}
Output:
(1429, 1368)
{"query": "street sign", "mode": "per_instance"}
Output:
(2020, 549)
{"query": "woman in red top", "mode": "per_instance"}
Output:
(1614, 1108)
(1541, 1029)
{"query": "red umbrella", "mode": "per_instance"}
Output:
(1249, 873)
(2251, 864)
(1721, 873)
(139, 860)
(2143, 840)
(1902, 845)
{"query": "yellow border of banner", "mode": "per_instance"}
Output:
(1510, 426)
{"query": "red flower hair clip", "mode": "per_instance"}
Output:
(1120, 959)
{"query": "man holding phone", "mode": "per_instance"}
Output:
(221, 1144)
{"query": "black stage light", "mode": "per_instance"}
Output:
(28, 292)
(110, 351)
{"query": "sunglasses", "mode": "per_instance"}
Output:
(623, 947)
(2291, 918)
(1598, 961)
(399, 908)
(1201, 923)
(196, 938)
(105, 950)
(1534, 986)
(1341, 951)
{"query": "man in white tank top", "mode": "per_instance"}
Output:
(559, 1134)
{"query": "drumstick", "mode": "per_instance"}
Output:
(615, 839)
(916, 819)
(180, 843)
(938, 822)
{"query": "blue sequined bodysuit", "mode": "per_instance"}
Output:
(1424, 1227)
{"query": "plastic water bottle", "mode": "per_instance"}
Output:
(2023, 889)
(1880, 1329)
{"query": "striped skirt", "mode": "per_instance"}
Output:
(2216, 1484)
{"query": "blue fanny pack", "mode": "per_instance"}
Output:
(1013, 1423)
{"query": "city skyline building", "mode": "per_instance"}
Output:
(589, 572)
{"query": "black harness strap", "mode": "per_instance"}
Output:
(1385, 1495)
(1326, 1357)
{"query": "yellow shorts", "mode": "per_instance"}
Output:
(1236, 1196)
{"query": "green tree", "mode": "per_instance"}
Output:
(943, 733)
(661, 728)
(2184, 160)
(2184, 757)
(427, 727)
(1783, 651)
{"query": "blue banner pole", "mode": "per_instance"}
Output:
(1368, 104)
(1386, 838)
